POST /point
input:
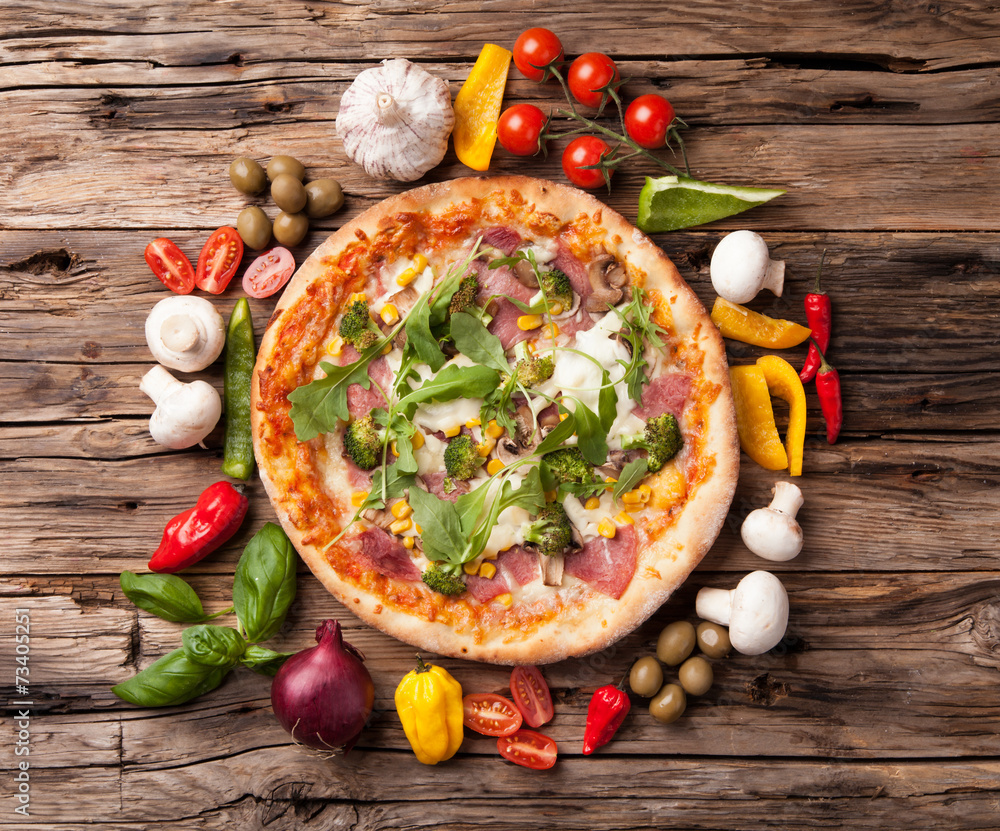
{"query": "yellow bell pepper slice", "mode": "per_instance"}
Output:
(477, 107)
(755, 418)
(783, 381)
(742, 324)
(429, 703)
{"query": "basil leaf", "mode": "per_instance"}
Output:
(264, 583)
(607, 402)
(632, 474)
(441, 526)
(452, 382)
(173, 679)
(214, 646)
(554, 440)
(165, 595)
(477, 343)
(591, 437)
(264, 661)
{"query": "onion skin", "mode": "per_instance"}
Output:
(324, 695)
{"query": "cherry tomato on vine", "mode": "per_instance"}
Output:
(520, 129)
(583, 151)
(647, 120)
(536, 48)
(589, 75)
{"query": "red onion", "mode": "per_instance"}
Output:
(324, 695)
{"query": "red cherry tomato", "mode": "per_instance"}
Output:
(528, 749)
(219, 259)
(170, 265)
(269, 272)
(490, 714)
(582, 151)
(531, 695)
(536, 48)
(647, 120)
(520, 129)
(589, 75)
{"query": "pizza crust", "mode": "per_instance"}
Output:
(585, 620)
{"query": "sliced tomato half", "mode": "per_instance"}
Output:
(170, 265)
(528, 749)
(531, 695)
(219, 259)
(269, 272)
(491, 714)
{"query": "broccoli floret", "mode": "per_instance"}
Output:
(357, 327)
(461, 459)
(530, 372)
(363, 442)
(465, 295)
(443, 581)
(551, 532)
(661, 439)
(568, 465)
(557, 288)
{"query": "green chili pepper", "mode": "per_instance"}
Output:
(237, 460)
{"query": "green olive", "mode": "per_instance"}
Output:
(323, 197)
(696, 676)
(288, 193)
(713, 639)
(247, 176)
(290, 229)
(668, 704)
(254, 227)
(676, 642)
(280, 165)
(646, 676)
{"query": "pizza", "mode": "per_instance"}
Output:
(494, 420)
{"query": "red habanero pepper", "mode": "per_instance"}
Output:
(200, 530)
(605, 715)
(828, 390)
(819, 316)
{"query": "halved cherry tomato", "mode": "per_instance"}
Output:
(581, 152)
(536, 48)
(520, 129)
(589, 76)
(647, 120)
(531, 695)
(170, 265)
(219, 259)
(269, 272)
(528, 749)
(490, 714)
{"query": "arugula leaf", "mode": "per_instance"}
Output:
(403, 430)
(441, 533)
(632, 474)
(477, 343)
(470, 506)
(636, 315)
(560, 433)
(607, 402)
(452, 382)
(591, 437)
(419, 336)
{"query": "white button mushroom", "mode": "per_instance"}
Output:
(185, 413)
(772, 532)
(185, 333)
(756, 612)
(741, 267)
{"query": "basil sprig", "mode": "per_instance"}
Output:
(264, 584)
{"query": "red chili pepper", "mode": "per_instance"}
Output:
(828, 389)
(608, 708)
(200, 530)
(819, 316)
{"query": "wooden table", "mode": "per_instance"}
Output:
(880, 710)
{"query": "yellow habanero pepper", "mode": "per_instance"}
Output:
(783, 381)
(742, 324)
(429, 703)
(477, 107)
(755, 418)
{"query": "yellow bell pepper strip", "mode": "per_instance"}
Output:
(477, 107)
(742, 324)
(429, 703)
(755, 418)
(784, 382)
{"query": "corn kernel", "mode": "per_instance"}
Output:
(471, 567)
(473, 422)
(631, 498)
(387, 348)
(389, 314)
(563, 416)
(408, 543)
(401, 525)
(418, 529)
(394, 448)
(622, 518)
(635, 509)
(494, 466)
(645, 491)
(550, 496)
(486, 447)
(592, 504)
(606, 528)
(407, 277)
(401, 509)
(550, 331)
(451, 432)
(528, 322)
(419, 262)
(610, 480)
(358, 295)
(494, 430)
(530, 347)
(358, 498)
(417, 440)
(336, 346)
(487, 570)
(505, 600)
(556, 308)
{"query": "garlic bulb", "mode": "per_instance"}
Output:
(395, 120)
